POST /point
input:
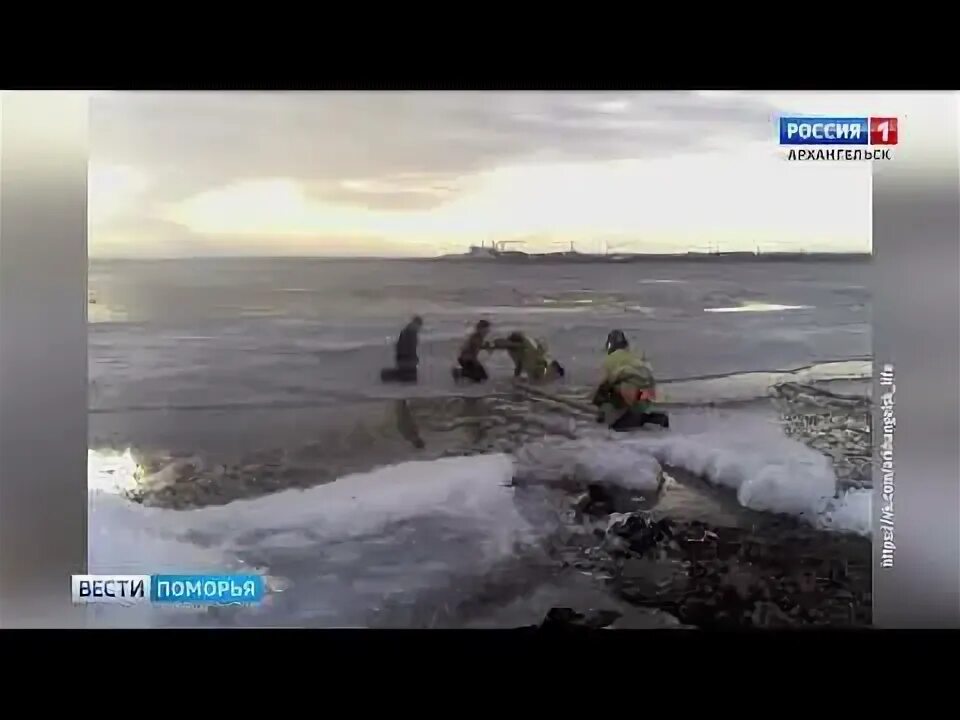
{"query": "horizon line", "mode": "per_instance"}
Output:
(467, 257)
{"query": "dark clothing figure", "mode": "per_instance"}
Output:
(471, 370)
(399, 374)
(469, 358)
(406, 350)
(405, 354)
(470, 350)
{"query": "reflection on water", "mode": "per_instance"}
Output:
(407, 424)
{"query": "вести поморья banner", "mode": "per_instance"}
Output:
(168, 589)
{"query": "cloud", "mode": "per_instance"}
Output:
(397, 149)
(113, 190)
(404, 173)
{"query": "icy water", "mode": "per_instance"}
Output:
(249, 390)
(232, 355)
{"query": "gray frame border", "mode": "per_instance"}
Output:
(43, 361)
(43, 356)
(916, 331)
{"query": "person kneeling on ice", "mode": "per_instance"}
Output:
(469, 358)
(405, 354)
(530, 357)
(627, 388)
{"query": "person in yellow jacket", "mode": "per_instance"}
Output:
(627, 388)
(530, 357)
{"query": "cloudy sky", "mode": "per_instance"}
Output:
(395, 174)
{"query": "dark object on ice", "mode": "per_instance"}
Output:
(399, 374)
(470, 370)
(603, 500)
(642, 534)
(566, 618)
(633, 419)
(405, 354)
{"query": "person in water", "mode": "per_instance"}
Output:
(627, 388)
(406, 357)
(530, 357)
(469, 358)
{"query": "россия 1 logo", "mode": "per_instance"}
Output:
(851, 133)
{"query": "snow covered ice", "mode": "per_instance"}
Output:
(767, 471)
(589, 461)
(379, 548)
(342, 550)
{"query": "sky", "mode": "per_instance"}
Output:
(420, 174)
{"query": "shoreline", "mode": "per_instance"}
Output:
(685, 555)
(542, 258)
(837, 426)
(640, 258)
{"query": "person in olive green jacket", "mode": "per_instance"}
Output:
(530, 357)
(627, 388)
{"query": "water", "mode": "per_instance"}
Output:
(240, 379)
(217, 346)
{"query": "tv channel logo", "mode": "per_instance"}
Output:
(878, 133)
(168, 589)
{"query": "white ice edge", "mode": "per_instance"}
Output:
(750, 386)
(468, 495)
(757, 307)
(124, 535)
(768, 473)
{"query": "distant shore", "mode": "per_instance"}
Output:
(516, 257)
(622, 258)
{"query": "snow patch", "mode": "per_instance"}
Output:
(344, 549)
(474, 488)
(787, 478)
(112, 472)
(851, 512)
(768, 472)
(589, 462)
(756, 307)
